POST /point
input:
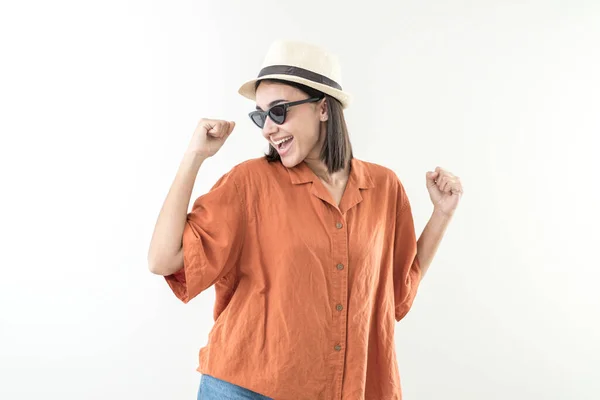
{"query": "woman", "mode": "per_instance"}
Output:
(312, 252)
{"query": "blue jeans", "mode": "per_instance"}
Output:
(212, 388)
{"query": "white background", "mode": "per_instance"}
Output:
(98, 101)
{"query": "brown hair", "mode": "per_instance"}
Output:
(337, 149)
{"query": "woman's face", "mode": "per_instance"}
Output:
(303, 128)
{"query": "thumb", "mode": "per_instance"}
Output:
(230, 126)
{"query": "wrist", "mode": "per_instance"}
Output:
(439, 214)
(194, 157)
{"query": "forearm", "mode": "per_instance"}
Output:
(430, 239)
(165, 254)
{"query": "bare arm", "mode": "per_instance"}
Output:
(165, 255)
(445, 190)
(430, 239)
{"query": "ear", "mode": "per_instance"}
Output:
(323, 114)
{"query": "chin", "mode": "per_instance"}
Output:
(290, 162)
(292, 158)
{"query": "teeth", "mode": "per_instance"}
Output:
(282, 140)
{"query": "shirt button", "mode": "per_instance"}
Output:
(339, 225)
(337, 347)
(339, 307)
(340, 266)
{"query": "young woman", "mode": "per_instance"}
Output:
(312, 252)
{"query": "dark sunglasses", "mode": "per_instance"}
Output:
(277, 113)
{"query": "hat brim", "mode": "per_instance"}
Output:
(247, 89)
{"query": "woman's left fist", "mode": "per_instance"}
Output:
(445, 190)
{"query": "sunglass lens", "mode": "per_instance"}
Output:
(258, 118)
(277, 114)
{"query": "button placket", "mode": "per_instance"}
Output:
(340, 293)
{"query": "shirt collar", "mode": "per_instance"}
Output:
(359, 175)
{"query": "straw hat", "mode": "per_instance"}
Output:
(303, 63)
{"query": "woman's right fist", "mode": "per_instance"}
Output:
(209, 136)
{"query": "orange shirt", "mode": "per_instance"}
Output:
(307, 293)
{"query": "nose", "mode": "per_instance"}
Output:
(270, 127)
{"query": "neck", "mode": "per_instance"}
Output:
(320, 169)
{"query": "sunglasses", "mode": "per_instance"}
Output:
(277, 113)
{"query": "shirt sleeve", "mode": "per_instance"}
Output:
(212, 239)
(407, 272)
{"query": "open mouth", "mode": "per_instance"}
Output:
(284, 144)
